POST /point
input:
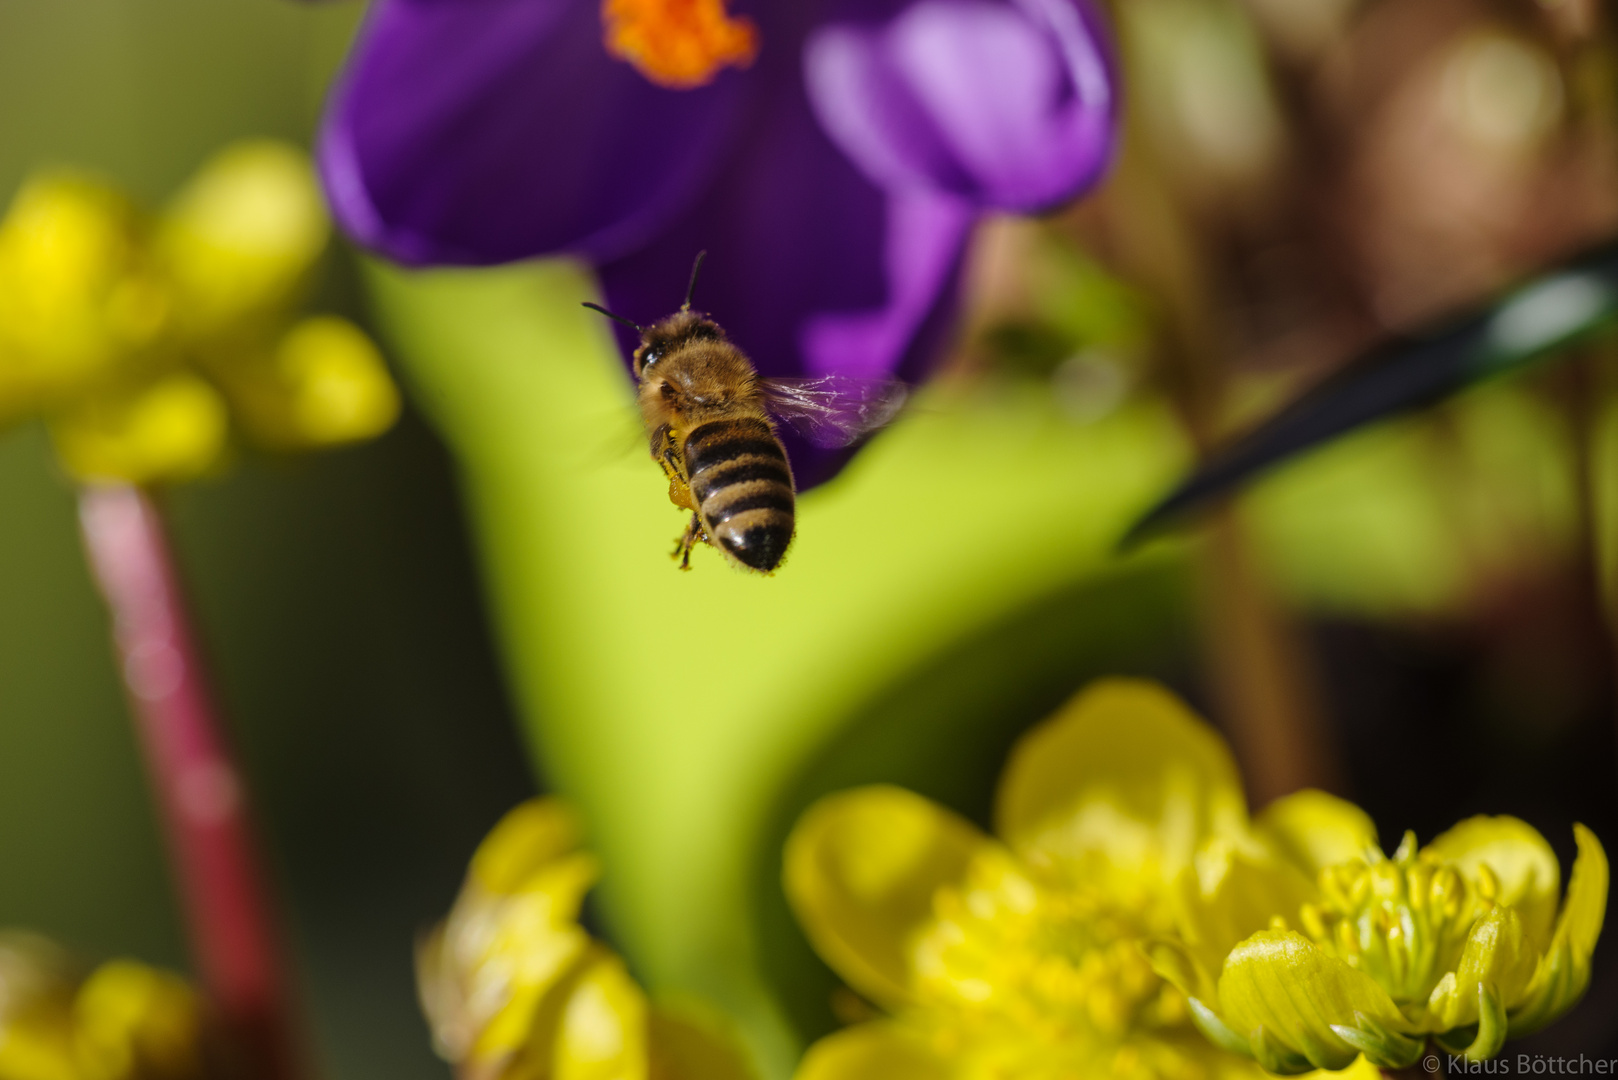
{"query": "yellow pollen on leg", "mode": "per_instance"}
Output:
(679, 44)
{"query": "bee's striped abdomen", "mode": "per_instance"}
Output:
(743, 488)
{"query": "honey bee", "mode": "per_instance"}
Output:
(710, 420)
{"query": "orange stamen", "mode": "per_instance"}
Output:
(679, 44)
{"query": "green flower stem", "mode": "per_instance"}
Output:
(229, 915)
(1585, 386)
(1588, 59)
(1260, 667)
(671, 707)
(1255, 657)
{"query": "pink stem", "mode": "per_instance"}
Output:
(234, 939)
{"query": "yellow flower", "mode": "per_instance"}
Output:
(1363, 953)
(1022, 957)
(126, 1021)
(1132, 902)
(515, 989)
(139, 339)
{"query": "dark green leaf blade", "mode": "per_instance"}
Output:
(1407, 374)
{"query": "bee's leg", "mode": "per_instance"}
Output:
(692, 536)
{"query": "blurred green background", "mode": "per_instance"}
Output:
(1431, 574)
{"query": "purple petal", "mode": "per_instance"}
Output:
(924, 235)
(811, 268)
(1007, 104)
(482, 131)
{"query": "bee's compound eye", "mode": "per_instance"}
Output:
(652, 355)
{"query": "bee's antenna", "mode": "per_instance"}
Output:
(633, 325)
(692, 287)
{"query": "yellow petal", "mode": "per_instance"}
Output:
(75, 299)
(1586, 906)
(507, 955)
(241, 236)
(879, 1050)
(440, 994)
(861, 868)
(602, 1035)
(1564, 971)
(493, 977)
(133, 1022)
(324, 385)
(1279, 989)
(1125, 771)
(1497, 955)
(1232, 896)
(532, 834)
(1359, 1070)
(1316, 830)
(1183, 969)
(32, 1052)
(1529, 877)
(169, 431)
(688, 1043)
(507, 1011)
(36, 1019)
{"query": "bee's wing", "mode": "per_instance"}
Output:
(619, 437)
(835, 410)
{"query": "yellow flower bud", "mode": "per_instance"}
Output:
(122, 331)
(133, 1022)
(126, 1021)
(173, 429)
(36, 1009)
(240, 239)
(515, 989)
(324, 385)
(76, 297)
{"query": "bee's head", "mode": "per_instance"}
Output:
(675, 332)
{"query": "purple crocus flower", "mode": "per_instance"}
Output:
(834, 180)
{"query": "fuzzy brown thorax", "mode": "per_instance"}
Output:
(689, 372)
